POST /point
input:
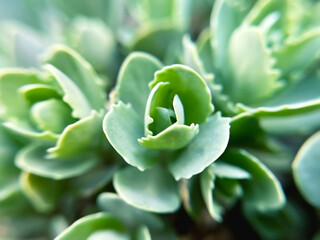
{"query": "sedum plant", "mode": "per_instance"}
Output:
(201, 128)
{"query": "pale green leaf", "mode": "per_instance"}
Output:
(207, 185)
(152, 190)
(225, 170)
(42, 192)
(306, 170)
(33, 159)
(72, 93)
(143, 233)
(84, 135)
(205, 148)
(14, 104)
(251, 63)
(262, 191)
(295, 99)
(38, 92)
(192, 90)
(108, 234)
(130, 216)
(51, 115)
(27, 132)
(84, 227)
(174, 137)
(80, 72)
(123, 127)
(135, 74)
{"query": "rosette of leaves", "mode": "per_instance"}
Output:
(162, 125)
(263, 60)
(57, 114)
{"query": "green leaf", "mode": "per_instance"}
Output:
(295, 99)
(27, 132)
(80, 72)
(152, 190)
(156, 39)
(306, 169)
(33, 159)
(123, 127)
(72, 93)
(254, 78)
(191, 89)
(191, 196)
(108, 234)
(225, 170)
(174, 137)
(14, 104)
(84, 135)
(132, 84)
(143, 234)
(130, 216)
(230, 13)
(262, 191)
(42, 192)
(207, 185)
(39, 92)
(51, 115)
(205, 148)
(83, 228)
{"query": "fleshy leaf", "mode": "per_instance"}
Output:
(108, 234)
(14, 103)
(82, 136)
(73, 95)
(262, 191)
(191, 89)
(230, 13)
(207, 184)
(32, 159)
(123, 127)
(38, 92)
(225, 170)
(80, 72)
(51, 115)
(205, 148)
(84, 227)
(132, 85)
(131, 217)
(152, 190)
(29, 133)
(251, 64)
(143, 233)
(174, 137)
(42, 192)
(306, 169)
(296, 99)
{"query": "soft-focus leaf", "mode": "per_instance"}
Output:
(42, 192)
(72, 94)
(33, 159)
(80, 72)
(205, 148)
(84, 135)
(84, 227)
(251, 64)
(152, 190)
(14, 104)
(295, 99)
(123, 128)
(131, 217)
(306, 169)
(51, 115)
